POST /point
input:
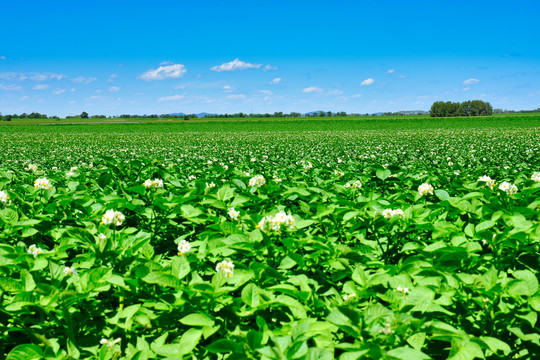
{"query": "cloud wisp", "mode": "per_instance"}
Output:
(171, 98)
(471, 81)
(367, 82)
(237, 65)
(312, 89)
(174, 71)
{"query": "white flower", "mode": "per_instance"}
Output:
(32, 249)
(246, 173)
(277, 179)
(209, 162)
(70, 271)
(191, 177)
(102, 236)
(184, 247)
(403, 290)
(253, 159)
(42, 183)
(508, 188)
(70, 174)
(338, 172)
(536, 176)
(4, 198)
(277, 222)
(354, 185)
(425, 189)
(257, 181)
(109, 343)
(390, 213)
(226, 268)
(55, 168)
(154, 184)
(489, 182)
(113, 217)
(210, 185)
(234, 214)
(32, 167)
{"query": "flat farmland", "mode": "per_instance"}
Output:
(386, 238)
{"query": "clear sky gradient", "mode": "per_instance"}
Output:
(155, 57)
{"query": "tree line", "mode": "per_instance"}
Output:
(466, 108)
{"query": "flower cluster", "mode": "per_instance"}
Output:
(226, 268)
(354, 185)
(183, 247)
(31, 167)
(276, 222)
(4, 198)
(508, 188)
(34, 250)
(403, 290)
(425, 189)
(109, 343)
(390, 213)
(113, 217)
(234, 214)
(257, 181)
(70, 271)
(42, 183)
(210, 185)
(489, 182)
(536, 176)
(153, 184)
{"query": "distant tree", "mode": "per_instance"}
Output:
(84, 115)
(7, 118)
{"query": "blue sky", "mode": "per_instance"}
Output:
(146, 57)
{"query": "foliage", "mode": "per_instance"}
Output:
(466, 108)
(453, 275)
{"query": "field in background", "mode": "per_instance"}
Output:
(376, 238)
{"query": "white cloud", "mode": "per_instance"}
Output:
(367, 82)
(41, 87)
(235, 97)
(112, 77)
(31, 76)
(390, 71)
(466, 89)
(357, 96)
(269, 67)
(276, 81)
(182, 86)
(228, 88)
(312, 89)
(114, 88)
(174, 71)
(235, 65)
(171, 98)
(10, 87)
(335, 92)
(83, 80)
(95, 97)
(166, 63)
(471, 81)
(59, 91)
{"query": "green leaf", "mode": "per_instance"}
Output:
(198, 319)
(225, 193)
(407, 353)
(25, 352)
(496, 345)
(180, 267)
(250, 295)
(417, 340)
(27, 280)
(485, 225)
(526, 284)
(104, 179)
(442, 194)
(221, 346)
(383, 174)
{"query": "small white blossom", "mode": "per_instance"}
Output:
(32, 167)
(226, 268)
(191, 177)
(354, 185)
(257, 181)
(70, 271)
(403, 290)
(32, 249)
(113, 217)
(4, 198)
(184, 247)
(42, 183)
(508, 188)
(153, 184)
(425, 189)
(277, 222)
(210, 185)
(109, 343)
(102, 236)
(277, 179)
(536, 176)
(489, 182)
(234, 214)
(70, 174)
(390, 213)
